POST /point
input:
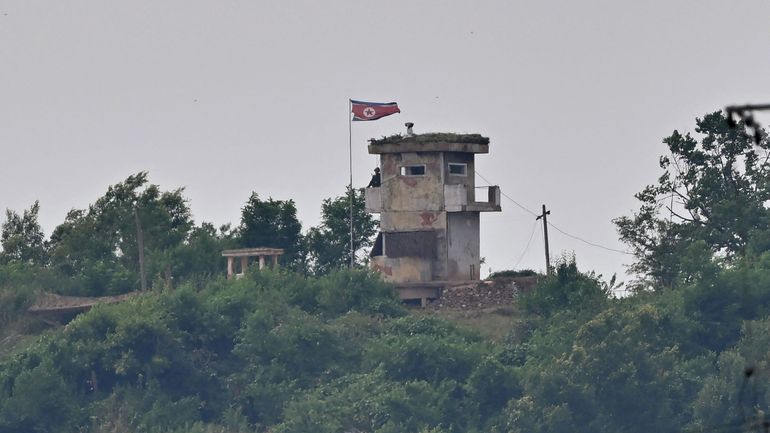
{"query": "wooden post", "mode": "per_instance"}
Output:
(167, 276)
(544, 216)
(229, 268)
(94, 382)
(140, 244)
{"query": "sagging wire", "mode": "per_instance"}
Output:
(593, 244)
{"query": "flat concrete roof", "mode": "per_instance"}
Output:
(251, 252)
(431, 146)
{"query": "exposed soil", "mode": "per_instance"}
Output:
(53, 303)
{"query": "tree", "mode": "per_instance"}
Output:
(736, 394)
(713, 190)
(566, 289)
(272, 223)
(329, 243)
(99, 244)
(40, 401)
(201, 253)
(22, 238)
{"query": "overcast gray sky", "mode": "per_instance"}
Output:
(228, 97)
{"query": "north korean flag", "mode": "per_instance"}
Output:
(363, 111)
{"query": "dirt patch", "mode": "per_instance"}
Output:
(53, 303)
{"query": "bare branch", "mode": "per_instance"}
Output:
(692, 220)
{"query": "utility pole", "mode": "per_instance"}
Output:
(140, 244)
(544, 216)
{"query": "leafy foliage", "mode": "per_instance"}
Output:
(274, 224)
(714, 191)
(280, 351)
(329, 244)
(565, 288)
(513, 273)
(99, 246)
(277, 351)
(22, 237)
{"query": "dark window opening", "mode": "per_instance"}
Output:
(410, 244)
(377, 248)
(458, 169)
(413, 170)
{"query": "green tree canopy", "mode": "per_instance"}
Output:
(99, 244)
(714, 188)
(566, 289)
(329, 243)
(22, 237)
(272, 223)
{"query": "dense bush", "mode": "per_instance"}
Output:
(281, 352)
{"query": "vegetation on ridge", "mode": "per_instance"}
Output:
(296, 352)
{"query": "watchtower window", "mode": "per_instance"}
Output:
(458, 169)
(412, 170)
(410, 244)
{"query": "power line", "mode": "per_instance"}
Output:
(506, 195)
(593, 244)
(526, 248)
(588, 242)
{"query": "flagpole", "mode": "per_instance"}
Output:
(350, 186)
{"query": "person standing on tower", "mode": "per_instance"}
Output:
(375, 182)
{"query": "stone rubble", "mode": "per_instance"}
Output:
(483, 294)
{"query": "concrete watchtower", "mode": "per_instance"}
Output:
(429, 214)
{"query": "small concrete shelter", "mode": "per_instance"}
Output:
(263, 254)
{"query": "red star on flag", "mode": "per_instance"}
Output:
(363, 111)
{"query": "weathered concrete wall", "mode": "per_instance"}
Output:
(437, 201)
(412, 193)
(439, 269)
(404, 221)
(403, 269)
(408, 221)
(469, 180)
(455, 197)
(373, 200)
(463, 246)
